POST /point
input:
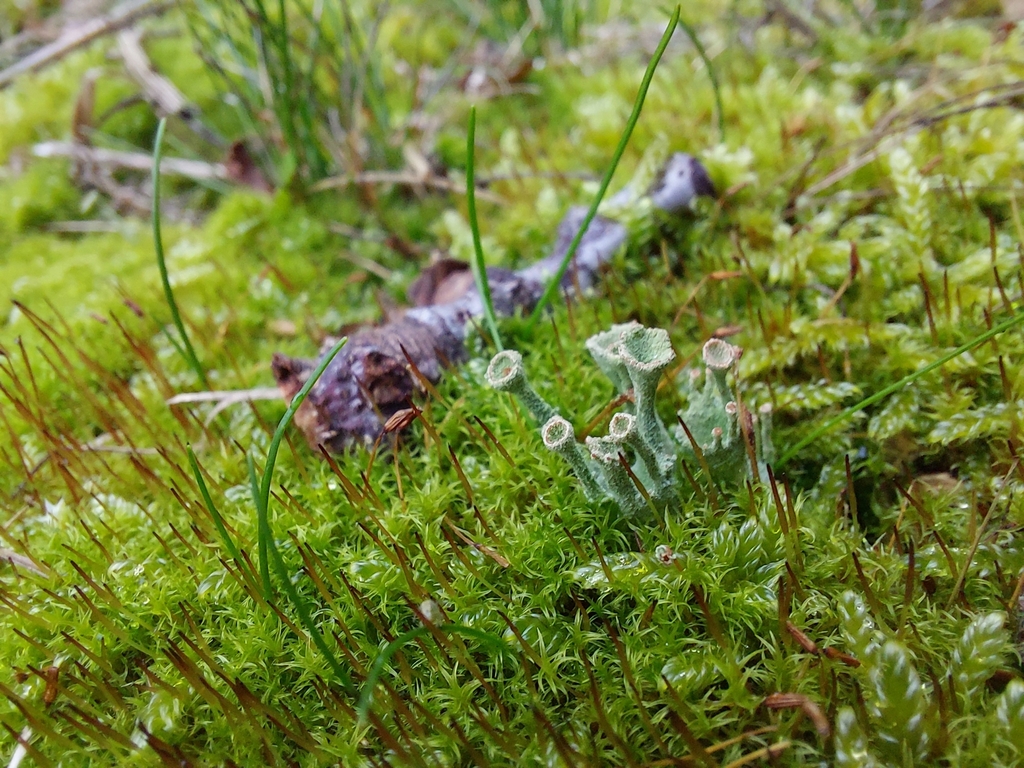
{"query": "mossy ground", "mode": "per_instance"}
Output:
(892, 542)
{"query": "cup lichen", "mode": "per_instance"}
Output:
(506, 374)
(658, 476)
(646, 353)
(634, 357)
(602, 347)
(558, 436)
(606, 454)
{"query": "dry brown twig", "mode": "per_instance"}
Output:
(403, 178)
(70, 40)
(159, 92)
(197, 170)
(224, 399)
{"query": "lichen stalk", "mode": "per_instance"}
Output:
(558, 436)
(623, 430)
(506, 374)
(605, 452)
(646, 353)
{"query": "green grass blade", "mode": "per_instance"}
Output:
(389, 650)
(275, 443)
(268, 552)
(270, 556)
(218, 521)
(158, 243)
(261, 489)
(479, 269)
(174, 342)
(304, 608)
(263, 532)
(556, 279)
(895, 387)
(715, 87)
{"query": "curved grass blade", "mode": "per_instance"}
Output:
(896, 386)
(263, 532)
(261, 491)
(158, 243)
(389, 650)
(268, 552)
(479, 268)
(556, 279)
(218, 521)
(275, 443)
(304, 609)
(715, 87)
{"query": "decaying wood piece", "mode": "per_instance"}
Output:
(371, 378)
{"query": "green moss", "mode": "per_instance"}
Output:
(892, 541)
(40, 108)
(42, 194)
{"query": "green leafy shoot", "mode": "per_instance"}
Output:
(479, 268)
(828, 426)
(158, 243)
(556, 279)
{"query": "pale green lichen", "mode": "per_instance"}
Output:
(602, 347)
(558, 437)
(609, 459)
(634, 358)
(646, 353)
(713, 417)
(654, 473)
(506, 374)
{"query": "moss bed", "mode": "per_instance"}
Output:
(862, 609)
